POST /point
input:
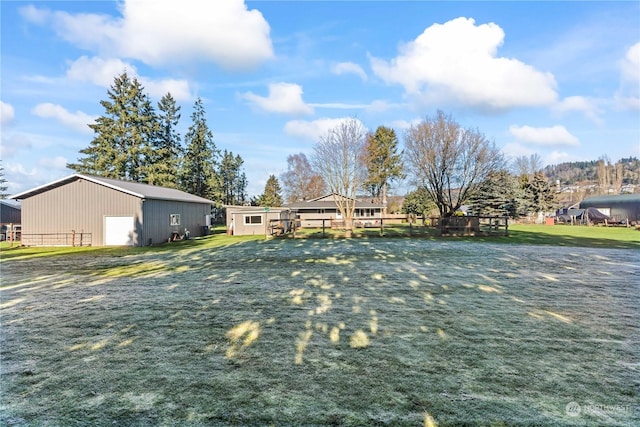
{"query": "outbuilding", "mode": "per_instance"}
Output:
(621, 207)
(257, 220)
(10, 220)
(89, 210)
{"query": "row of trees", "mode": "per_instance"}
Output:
(136, 142)
(449, 165)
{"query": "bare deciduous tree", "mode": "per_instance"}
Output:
(449, 161)
(527, 166)
(338, 158)
(300, 181)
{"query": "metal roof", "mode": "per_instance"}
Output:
(612, 199)
(143, 191)
(309, 204)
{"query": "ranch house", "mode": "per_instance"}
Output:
(88, 210)
(310, 213)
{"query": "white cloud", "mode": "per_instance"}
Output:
(169, 32)
(349, 68)
(78, 121)
(285, 98)
(628, 96)
(7, 113)
(101, 72)
(457, 62)
(550, 136)
(98, 71)
(588, 107)
(312, 130)
(179, 89)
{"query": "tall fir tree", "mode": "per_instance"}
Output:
(198, 165)
(166, 152)
(384, 163)
(272, 193)
(123, 135)
(3, 181)
(231, 180)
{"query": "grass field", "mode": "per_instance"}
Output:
(538, 328)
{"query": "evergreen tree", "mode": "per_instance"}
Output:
(418, 202)
(198, 165)
(164, 156)
(384, 163)
(271, 195)
(498, 194)
(123, 134)
(3, 181)
(538, 195)
(231, 180)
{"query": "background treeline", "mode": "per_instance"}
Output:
(573, 173)
(447, 165)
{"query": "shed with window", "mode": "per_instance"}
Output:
(254, 220)
(88, 210)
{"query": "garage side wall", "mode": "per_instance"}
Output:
(79, 205)
(157, 226)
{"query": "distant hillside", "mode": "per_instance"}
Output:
(573, 173)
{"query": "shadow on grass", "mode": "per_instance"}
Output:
(568, 239)
(213, 241)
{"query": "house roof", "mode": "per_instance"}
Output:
(143, 191)
(324, 203)
(9, 204)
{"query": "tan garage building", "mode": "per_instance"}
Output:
(88, 210)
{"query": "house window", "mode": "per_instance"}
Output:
(253, 219)
(174, 219)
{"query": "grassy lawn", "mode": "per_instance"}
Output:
(557, 235)
(369, 331)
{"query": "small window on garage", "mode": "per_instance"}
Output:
(253, 219)
(174, 219)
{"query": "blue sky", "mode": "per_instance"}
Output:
(560, 79)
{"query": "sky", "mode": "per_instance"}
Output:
(559, 79)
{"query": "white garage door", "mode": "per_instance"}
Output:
(118, 230)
